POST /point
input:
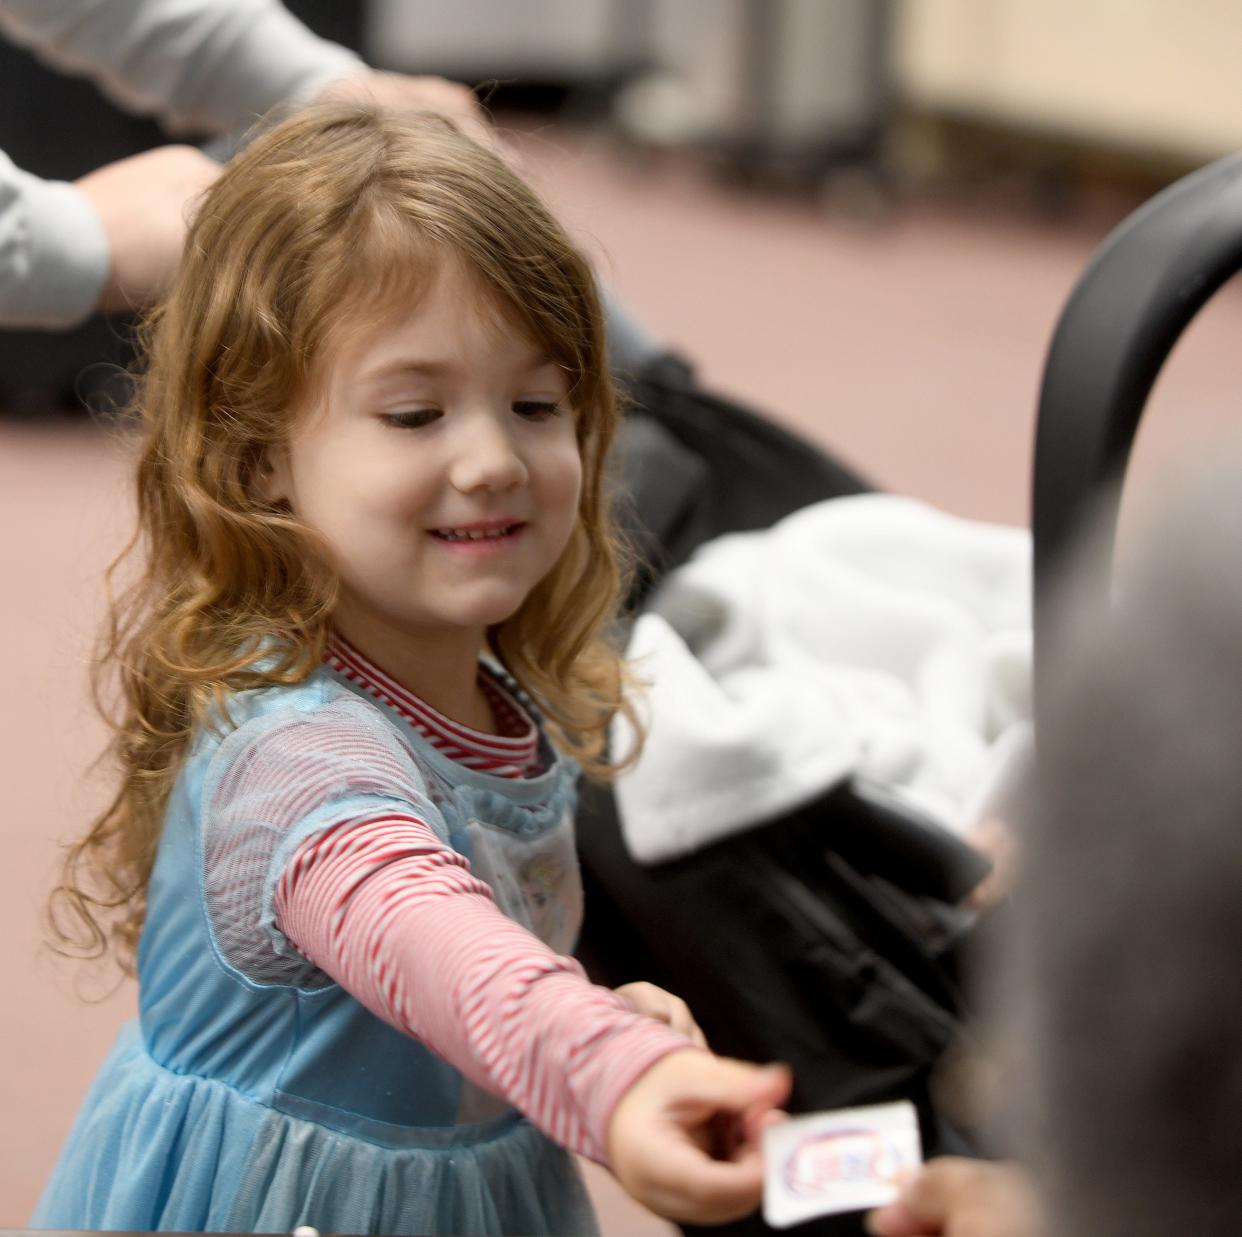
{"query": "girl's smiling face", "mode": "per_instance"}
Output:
(438, 456)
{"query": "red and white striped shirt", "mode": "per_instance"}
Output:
(512, 753)
(395, 916)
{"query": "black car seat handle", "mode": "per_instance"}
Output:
(1143, 286)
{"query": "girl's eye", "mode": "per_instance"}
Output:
(536, 409)
(410, 418)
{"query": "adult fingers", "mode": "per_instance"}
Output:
(962, 1198)
(401, 92)
(896, 1220)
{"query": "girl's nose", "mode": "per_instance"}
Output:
(486, 458)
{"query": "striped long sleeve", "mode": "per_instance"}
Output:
(396, 917)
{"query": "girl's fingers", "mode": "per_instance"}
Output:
(757, 1119)
(656, 1003)
(686, 1184)
(683, 1021)
(737, 1086)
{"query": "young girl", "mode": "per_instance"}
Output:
(377, 554)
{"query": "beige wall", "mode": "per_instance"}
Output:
(1158, 75)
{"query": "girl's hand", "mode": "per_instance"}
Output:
(685, 1138)
(663, 1006)
(953, 1197)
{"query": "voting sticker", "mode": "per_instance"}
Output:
(845, 1160)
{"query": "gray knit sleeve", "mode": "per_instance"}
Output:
(212, 65)
(53, 251)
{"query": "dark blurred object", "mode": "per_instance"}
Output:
(59, 127)
(826, 939)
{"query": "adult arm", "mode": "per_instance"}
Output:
(112, 241)
(211, 65)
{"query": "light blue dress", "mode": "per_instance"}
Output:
(252, 1094)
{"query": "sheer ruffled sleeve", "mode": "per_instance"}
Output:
(275, 782)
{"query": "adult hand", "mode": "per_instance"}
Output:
(953, 1197)
(400, 92)
(685, 1138)
(144, 203)
(996, 840)
(665, 1007)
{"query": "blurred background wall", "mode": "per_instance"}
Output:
(1134, 76)
(859, 216)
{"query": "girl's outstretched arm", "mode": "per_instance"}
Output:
(385, 907)
(396, 917)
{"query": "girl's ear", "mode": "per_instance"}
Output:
(273, 478)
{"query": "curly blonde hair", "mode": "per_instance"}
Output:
(331, 217)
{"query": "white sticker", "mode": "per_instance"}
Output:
(847, 1160)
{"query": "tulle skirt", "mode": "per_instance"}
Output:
(157, 1150)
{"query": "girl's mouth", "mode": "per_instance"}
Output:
(478, 534)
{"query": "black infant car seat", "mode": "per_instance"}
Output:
(822, 939)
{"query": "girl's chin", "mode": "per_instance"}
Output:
(467, 626)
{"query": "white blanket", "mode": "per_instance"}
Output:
(873, 635)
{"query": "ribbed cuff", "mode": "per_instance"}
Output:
(634, 1052)
(54, 255)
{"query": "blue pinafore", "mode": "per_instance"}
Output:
(253, 1094)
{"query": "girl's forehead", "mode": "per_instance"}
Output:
(444, 316)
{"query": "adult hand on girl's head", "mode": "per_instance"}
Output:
(656, 1003)
(665, 1139)
(400, 92)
